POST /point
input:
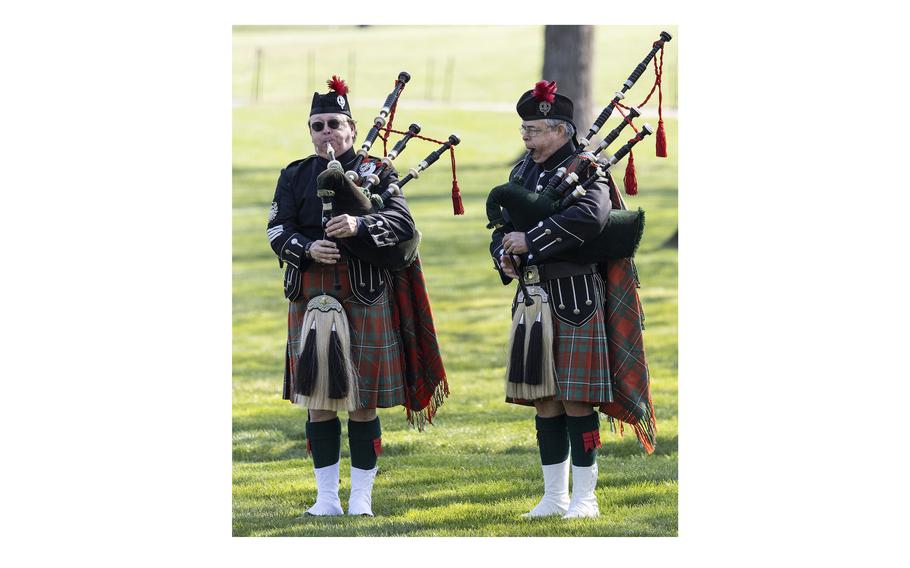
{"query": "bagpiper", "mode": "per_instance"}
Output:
(360, 335)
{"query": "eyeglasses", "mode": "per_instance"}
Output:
(332, 123)
(531, 131)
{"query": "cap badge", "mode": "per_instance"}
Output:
(544, 107)
(340, 100)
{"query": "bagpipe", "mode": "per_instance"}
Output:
(350, 192)
(623, 231)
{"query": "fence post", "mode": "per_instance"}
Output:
(257, 75)
(428, 92)
(352, 65)
(447, 84)
(311, 71)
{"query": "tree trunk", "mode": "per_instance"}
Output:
(567, 59)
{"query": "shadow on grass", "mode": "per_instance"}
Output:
(268, 438)
(486, 496)
(262, 440)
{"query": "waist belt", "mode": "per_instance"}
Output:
(535, 274)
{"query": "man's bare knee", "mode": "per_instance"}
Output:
(549, 408)
(362, 415)
(322, 415)
(574, 408)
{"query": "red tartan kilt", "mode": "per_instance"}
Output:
(376, 347)
(580, 356)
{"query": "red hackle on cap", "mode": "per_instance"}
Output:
(629, 180)
(338, 85)
(545, 91)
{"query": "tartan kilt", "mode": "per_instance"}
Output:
(580, 355)
(376, 347)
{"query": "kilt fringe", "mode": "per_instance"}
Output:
(420, 418)
(535, 349)
(645, 428)
(334, 384)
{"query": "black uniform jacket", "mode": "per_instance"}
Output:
(295, 218)
(563, 231)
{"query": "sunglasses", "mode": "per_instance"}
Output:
(332, 123)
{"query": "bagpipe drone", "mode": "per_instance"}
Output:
(622, 234)
(355, 194)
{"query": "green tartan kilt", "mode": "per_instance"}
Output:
(580, 353)
(376, 348)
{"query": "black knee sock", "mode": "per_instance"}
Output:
(365, 439)
(553, 439)
(324, 441)
(584, 432)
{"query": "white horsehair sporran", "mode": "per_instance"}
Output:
(326, 367)
(530, 373)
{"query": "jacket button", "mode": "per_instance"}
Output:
(546, 231)
(558, 239)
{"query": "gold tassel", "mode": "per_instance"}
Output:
(539, 311)
(326, 313)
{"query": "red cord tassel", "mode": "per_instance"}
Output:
(377, 446)
(630, 181)
(456, 192)
(661, 140)
(456, 199)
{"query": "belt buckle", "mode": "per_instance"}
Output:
(531, 275)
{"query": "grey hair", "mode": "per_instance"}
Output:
(554, 122)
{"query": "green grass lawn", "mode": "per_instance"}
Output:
(477, 468)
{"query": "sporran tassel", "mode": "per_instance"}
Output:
(308, 365)
(534, 364)
(517, 359)
(338, 373)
